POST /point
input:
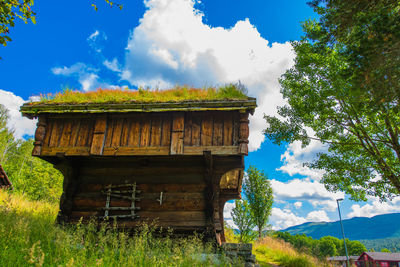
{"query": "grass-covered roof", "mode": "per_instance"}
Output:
(228, 97)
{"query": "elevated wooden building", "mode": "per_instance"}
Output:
(175, 163)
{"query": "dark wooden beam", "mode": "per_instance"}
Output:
(39, 136)
(177, 133)
(212, 179)
(99, 134)
(243, 133)
(70, 185)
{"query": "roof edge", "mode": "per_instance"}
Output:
(30, 111)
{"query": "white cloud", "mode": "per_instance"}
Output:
(317, 216)
(298, 204)
(21, 125)
(172, 46)
(112, 65)
(306, 190)
(375, 207)
(282, 219)
(96, 40)
(86, 75)
(93, 35)
(295, 156)
(229, 206)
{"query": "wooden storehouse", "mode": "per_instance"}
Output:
(173, 163)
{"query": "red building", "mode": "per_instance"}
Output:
(378, 259)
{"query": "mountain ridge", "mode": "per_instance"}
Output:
(357, 228)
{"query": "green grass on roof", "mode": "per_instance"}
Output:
(177, 94)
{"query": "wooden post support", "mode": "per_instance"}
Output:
(221, 217)
(39, 136)
(99, 134)
(212, 180)
(69, 189)
(243, 133)
(177, 133)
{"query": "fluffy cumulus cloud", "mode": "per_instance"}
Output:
(317, 216)
(305, 190)
(86, 75)
(229, 206)
(284, 218)
(172, 46)
(21, 125)
(295, 156)
(298, 204)
(112, 65)
(374, 207)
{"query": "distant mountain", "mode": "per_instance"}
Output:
(357, 228)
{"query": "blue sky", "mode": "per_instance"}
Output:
(161, 43)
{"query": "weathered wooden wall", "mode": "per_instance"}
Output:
(190, 202)
(168, 133)
(194, 158)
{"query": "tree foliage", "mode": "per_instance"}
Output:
(326, 246)
(9, 11)
(258, 192)
(29, 175)
(242, 218)
(344, 86)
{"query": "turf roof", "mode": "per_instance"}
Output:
(228, 97)
(177, 94)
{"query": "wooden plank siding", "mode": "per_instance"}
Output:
(171, 133)
(181, 181)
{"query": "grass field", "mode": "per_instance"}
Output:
(275, 251)
(29, 237)
(271, 251)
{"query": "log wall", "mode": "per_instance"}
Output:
(168, 133)
(182, 180)
(193, 159)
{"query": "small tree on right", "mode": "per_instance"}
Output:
(242, 218)
(258, 192)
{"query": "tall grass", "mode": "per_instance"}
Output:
(29, 237)
(276, 251)
(179, 93)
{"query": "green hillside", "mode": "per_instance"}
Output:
(358, 228)
(392, 243)
(378, 232)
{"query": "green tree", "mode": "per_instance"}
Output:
(326, 247)
(337, 243)
(354, 247)
(258, 192)
(11, 9)
(242, 218)
(29, 175)
(344, 86)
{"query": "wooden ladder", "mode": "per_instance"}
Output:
(119, 191)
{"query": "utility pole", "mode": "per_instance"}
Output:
(341, 225)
